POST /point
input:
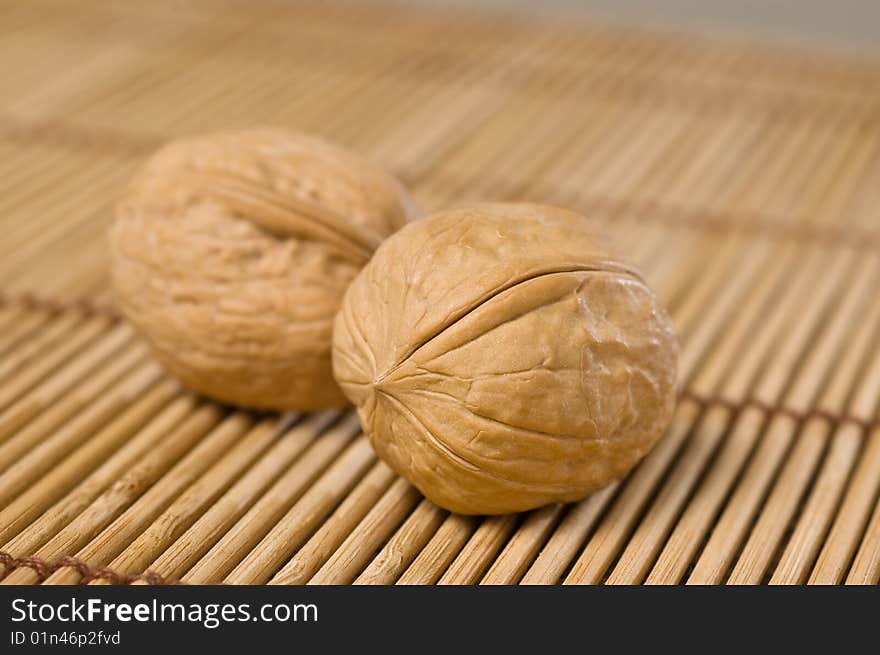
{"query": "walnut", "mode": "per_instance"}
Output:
(231, 253)
(501, 358)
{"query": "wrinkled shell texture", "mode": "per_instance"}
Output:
(231, 254)
(501, 359)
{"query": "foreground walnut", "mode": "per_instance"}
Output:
(501, 359)
(231, 254)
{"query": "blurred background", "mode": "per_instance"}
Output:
(849, 25)
(600, 105)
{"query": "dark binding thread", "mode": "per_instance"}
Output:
(774, 409)
(44, 569)
(41, 303)
(758, 224)
(607, 208)
(62, 135)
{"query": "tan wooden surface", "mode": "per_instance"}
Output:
(745, 182)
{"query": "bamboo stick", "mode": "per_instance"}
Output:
(125, 490)
(399, 552)
(330, 536)
(28, 505)
(195, 499)
(511, 563)
(143, 430)
(365, 539)
(845, 442)
(295, 527)
(140, 514)
(684, 541)
(477, 554)
(437, 555)
(14, 416)
(260, 519)
(866, 565)
(22, 326)
(44, 451)
(843, 538)
(44, 396)
(781, 504)
(719, 551)
(38, 342)
(222, 515)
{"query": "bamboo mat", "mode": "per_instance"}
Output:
(744, 181)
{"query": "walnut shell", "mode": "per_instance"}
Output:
(501, 358)
(231, 253)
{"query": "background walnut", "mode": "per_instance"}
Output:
(231, 254)
(502, 359)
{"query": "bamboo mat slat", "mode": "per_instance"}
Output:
(742, 179)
